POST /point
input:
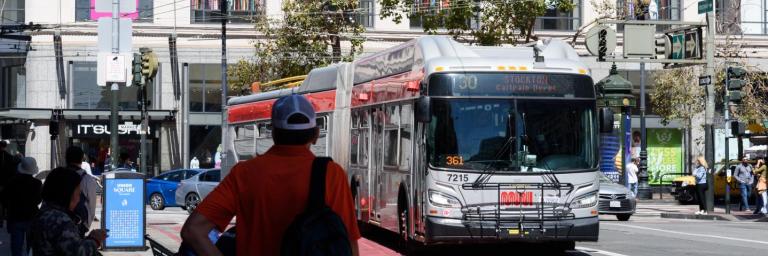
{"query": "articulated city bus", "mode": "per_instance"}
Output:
(446, 143)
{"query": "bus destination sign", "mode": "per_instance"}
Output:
(512, 84)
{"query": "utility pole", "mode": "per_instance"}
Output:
(115, 89)
(709, 113)
(726, 114)
(643, 188)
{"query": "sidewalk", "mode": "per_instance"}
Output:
(670, 208)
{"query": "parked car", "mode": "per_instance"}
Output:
(615, 199)
(161, 189)
(191, 191)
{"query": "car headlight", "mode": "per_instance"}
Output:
(585, 201)
(442, 200)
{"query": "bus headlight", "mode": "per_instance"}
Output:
(442, 200)
(585, 201)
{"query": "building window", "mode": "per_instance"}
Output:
(753, 16)
(85, 10)
(205, 88)
(663, 10)
(554, 19)
(15, 94)
(239, 11)
(86, 94)
(205, 145)
(367, 14)
(13, 12)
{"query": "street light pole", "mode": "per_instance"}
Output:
(643, 189)
(224, 14)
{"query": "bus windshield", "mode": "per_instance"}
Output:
(512, 134)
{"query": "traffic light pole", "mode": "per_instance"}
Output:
(114, 90)
(144, 128)
(726, 114)
(709, 114)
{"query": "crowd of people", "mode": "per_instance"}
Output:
(752, 181)
(51, 218)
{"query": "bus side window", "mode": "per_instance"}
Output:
(406, 137)
(391, 137)
(244, 136)
(264, 141)
(354, 140)
(320, 148)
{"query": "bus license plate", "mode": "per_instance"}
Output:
(615, 204)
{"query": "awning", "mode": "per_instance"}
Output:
(101, 114)
(13, 115)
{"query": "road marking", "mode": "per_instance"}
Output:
(590, 250)
(690, 234)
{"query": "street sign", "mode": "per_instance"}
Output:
(705, 80)
(705, 6)
(693, 44)
(125, 46)
(677, 46)
(115, 68)
(593, 39)
(639, 41)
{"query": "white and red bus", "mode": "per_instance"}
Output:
(446, 143)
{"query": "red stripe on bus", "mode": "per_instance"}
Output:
(322, 101)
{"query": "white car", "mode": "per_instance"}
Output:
(192, 191)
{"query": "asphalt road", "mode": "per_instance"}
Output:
(644, 234)
(639, 236)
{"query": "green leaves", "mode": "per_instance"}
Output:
(485, 22)
(677, 95)
(308, 35)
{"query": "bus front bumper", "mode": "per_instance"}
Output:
(446, 230)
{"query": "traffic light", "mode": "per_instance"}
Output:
(148, 63)
(735, 82)
(602, 42)
(664, 46)
(136, 69)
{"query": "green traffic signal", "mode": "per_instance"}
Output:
(735, 82)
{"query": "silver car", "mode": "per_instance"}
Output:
(615, 199)
(191, 191)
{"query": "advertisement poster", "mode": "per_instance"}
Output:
(665, 155)
(609, 149)
(124, 212)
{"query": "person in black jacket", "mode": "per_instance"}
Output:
(22, 196)
(8, 165)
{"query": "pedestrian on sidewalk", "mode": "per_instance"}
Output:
(86, 209)
(632, 174)
(55, 230)
(268, 192)
(761, 174)
(743, 175)
(701, 183)
(22, 196)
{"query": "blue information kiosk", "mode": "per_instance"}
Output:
(123, 212)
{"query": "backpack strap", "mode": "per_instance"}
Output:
(317, 183)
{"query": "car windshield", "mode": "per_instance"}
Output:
(507, 134)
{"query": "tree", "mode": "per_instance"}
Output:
(497, 21)
(308, 35)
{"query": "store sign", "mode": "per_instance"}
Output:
(665, 155)
(102, 129)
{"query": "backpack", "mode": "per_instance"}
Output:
(318, 230)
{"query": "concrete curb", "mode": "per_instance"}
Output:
(688, 216)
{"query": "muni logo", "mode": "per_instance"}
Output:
(516, 198)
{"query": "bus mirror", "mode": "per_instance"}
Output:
(606, 120)
(423, 109)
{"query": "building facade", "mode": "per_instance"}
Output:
(185, 118)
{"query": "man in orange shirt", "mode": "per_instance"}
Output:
(267, 192)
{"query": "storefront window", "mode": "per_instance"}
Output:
(205, 88)
(554, 19)
(13, 12)
(15, 94)
(85, 10)
(86, 94)
(205, 145)
(239, 11)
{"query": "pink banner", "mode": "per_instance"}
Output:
(96, 15)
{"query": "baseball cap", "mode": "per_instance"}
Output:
(287, 106)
